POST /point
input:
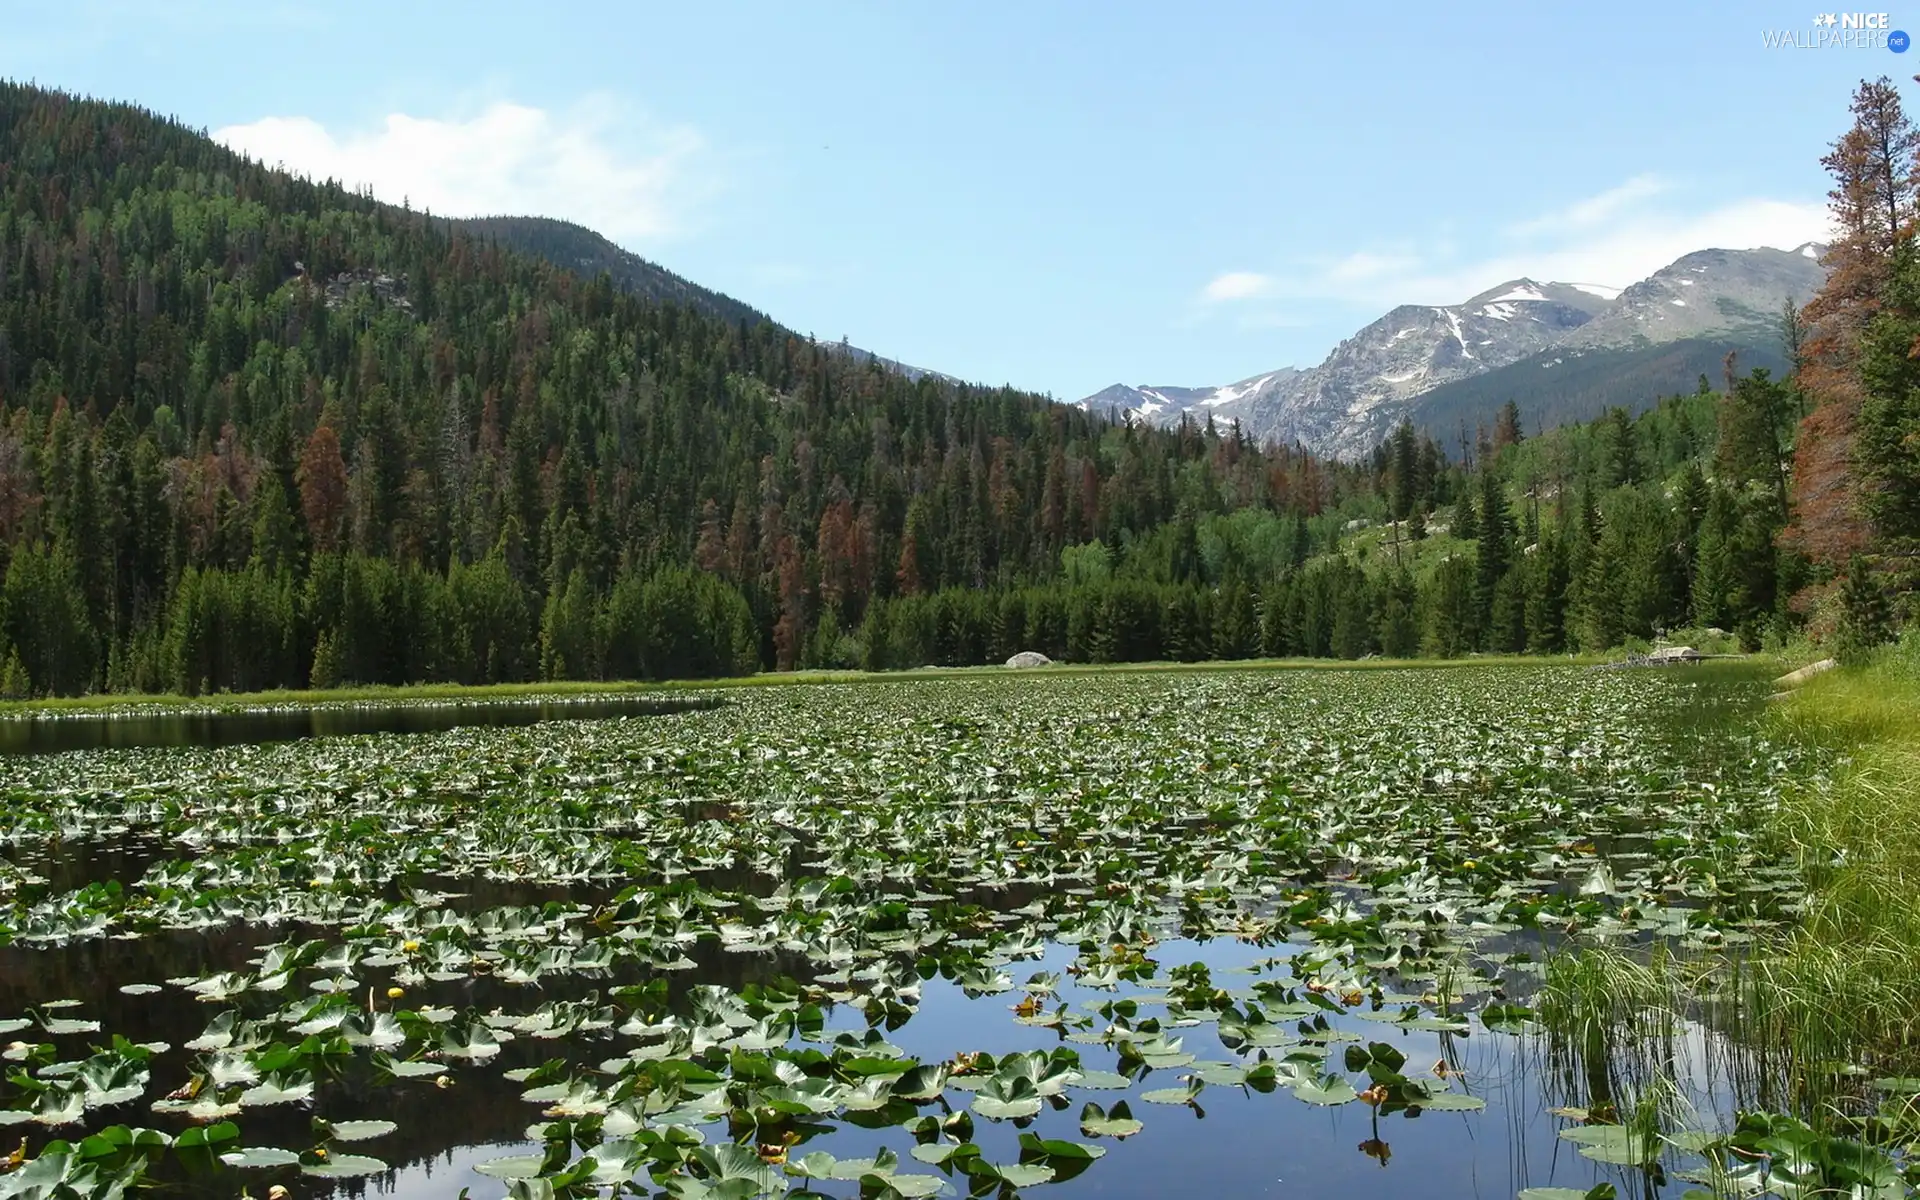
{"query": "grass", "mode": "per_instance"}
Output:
(1615, 1021)
(1847, 986)
(1374, 546)
(502, 692)
(1842, 992)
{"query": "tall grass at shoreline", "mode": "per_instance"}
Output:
(1811, 1017)
(1846, 986)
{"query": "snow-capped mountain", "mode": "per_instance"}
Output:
(1164, 405)
(1706, 293)
(1349, 402)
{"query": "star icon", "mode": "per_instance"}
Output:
(1826, 19)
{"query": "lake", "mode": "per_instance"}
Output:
(1245, 933)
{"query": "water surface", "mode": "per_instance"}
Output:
(54, 731)
(1405, 822)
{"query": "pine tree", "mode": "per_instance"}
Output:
(323, 488)
(1866, 621)
(275, 540)
(327, 671)
(1448, 628)
(1236, 627)
(1547, 579)
(1753, 417)
(1493, 557)
(15, 684)
(1886, 454)
(1715, 578)
(1873, 202)
(1506, 427)
(1620, 449)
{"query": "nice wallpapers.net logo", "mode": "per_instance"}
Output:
(1841, 31)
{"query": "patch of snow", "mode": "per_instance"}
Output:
(1523, 292)
(1155, 402)
(1404, 333)
(1484, 342)
(1457, 335)
(1232, 392)
(1807, 251)
(1678, 303)
(1404, 376)
(1596, 289)
(1686, 283)
(1499, 312)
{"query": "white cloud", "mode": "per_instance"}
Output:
(1271, 319)
(620, 178)
(1364, 265)
(1236, 285)
(1616, 237)
(1595, 210)
(1624, 251)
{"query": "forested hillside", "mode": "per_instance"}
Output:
(263, 432)
(1584, 384)
(260, 432)
(587, 254)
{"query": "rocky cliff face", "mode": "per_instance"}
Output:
(1344, 406)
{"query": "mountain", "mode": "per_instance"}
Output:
(1165, 404)
(1499, 345)
(586, 253)
(1709, 293)
(1566, 387)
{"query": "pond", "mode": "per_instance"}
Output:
(132, 726)
(1241, 933)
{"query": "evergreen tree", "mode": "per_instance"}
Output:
(1493, 556)
(1865, 619)
(46, 621)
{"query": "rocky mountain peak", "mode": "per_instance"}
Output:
(1370, 381)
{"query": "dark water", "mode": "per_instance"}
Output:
(52, 732)
(1236, 1143)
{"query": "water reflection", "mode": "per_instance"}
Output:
(1232, 1142)
(54, 731)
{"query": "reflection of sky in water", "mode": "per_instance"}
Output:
(1247, 1144)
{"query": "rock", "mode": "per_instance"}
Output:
(1029, 658)
(1796, 678)
(1673, 654)
(387, 288)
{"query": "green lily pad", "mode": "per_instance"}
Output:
(344, 1166)
(260, 1156)
(359, 1131)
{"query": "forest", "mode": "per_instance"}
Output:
(263, 432)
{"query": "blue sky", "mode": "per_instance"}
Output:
(1058, 195)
